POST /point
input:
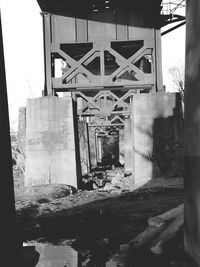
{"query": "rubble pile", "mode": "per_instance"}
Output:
(108, 180)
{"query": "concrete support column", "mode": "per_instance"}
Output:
(92, 148)
(128, 147)
(192, 131)
(99, 149)
(84, 147)
(155, 117)
(121, 146)
(51, 142)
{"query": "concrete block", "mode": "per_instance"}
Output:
(50, 142)
(157, 135)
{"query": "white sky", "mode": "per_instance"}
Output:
(23, 50)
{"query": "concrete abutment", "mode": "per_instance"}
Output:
(128, 147)
(84, 147)
(157, 136)
(51, 145)
(59, 148)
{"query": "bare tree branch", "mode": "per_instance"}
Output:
(178, 78)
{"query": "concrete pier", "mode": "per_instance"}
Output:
(92, 148)
(157, 120)
(121, 146)
(192, 131)
(50, 142)
(84, 147)
(128, 146)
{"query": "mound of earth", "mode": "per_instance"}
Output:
(48, 192)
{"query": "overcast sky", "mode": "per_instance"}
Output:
(23, 49)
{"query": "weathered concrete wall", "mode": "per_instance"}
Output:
(50, 142)
(128, 146)
(92, 148)
(84, 147)
(192, 131)
(99, 149)
(121, 146)
(157, 136)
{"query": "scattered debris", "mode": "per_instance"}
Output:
(160, 229)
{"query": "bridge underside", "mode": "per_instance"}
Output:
(103, 100)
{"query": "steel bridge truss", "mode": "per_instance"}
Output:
(105, 76)
(169, 14)
(105, 108)
(103, 65)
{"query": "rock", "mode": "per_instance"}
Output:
(157, 249)
(161, 229)
(116, 181)
(42, 193)
(108, 187)
(155, 222)
(124, 248)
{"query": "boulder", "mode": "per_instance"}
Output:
(50, 191)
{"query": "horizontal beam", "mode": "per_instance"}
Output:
(74, 88)
(173, 28)
(124, 113)
(105, 125)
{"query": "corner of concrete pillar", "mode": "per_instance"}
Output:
(76, 142)
(92, 148)
(52, 151)
(84, 147)
(128, 146)
(157, 126)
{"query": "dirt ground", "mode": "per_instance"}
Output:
(98, 222)
(117, 215)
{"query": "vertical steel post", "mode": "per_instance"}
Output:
(158, 61)
(47, 53)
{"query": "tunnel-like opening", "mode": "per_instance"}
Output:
(108, 148)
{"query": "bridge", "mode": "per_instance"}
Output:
(103, 100)
(44, 112)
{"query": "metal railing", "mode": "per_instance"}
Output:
(169, 7)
